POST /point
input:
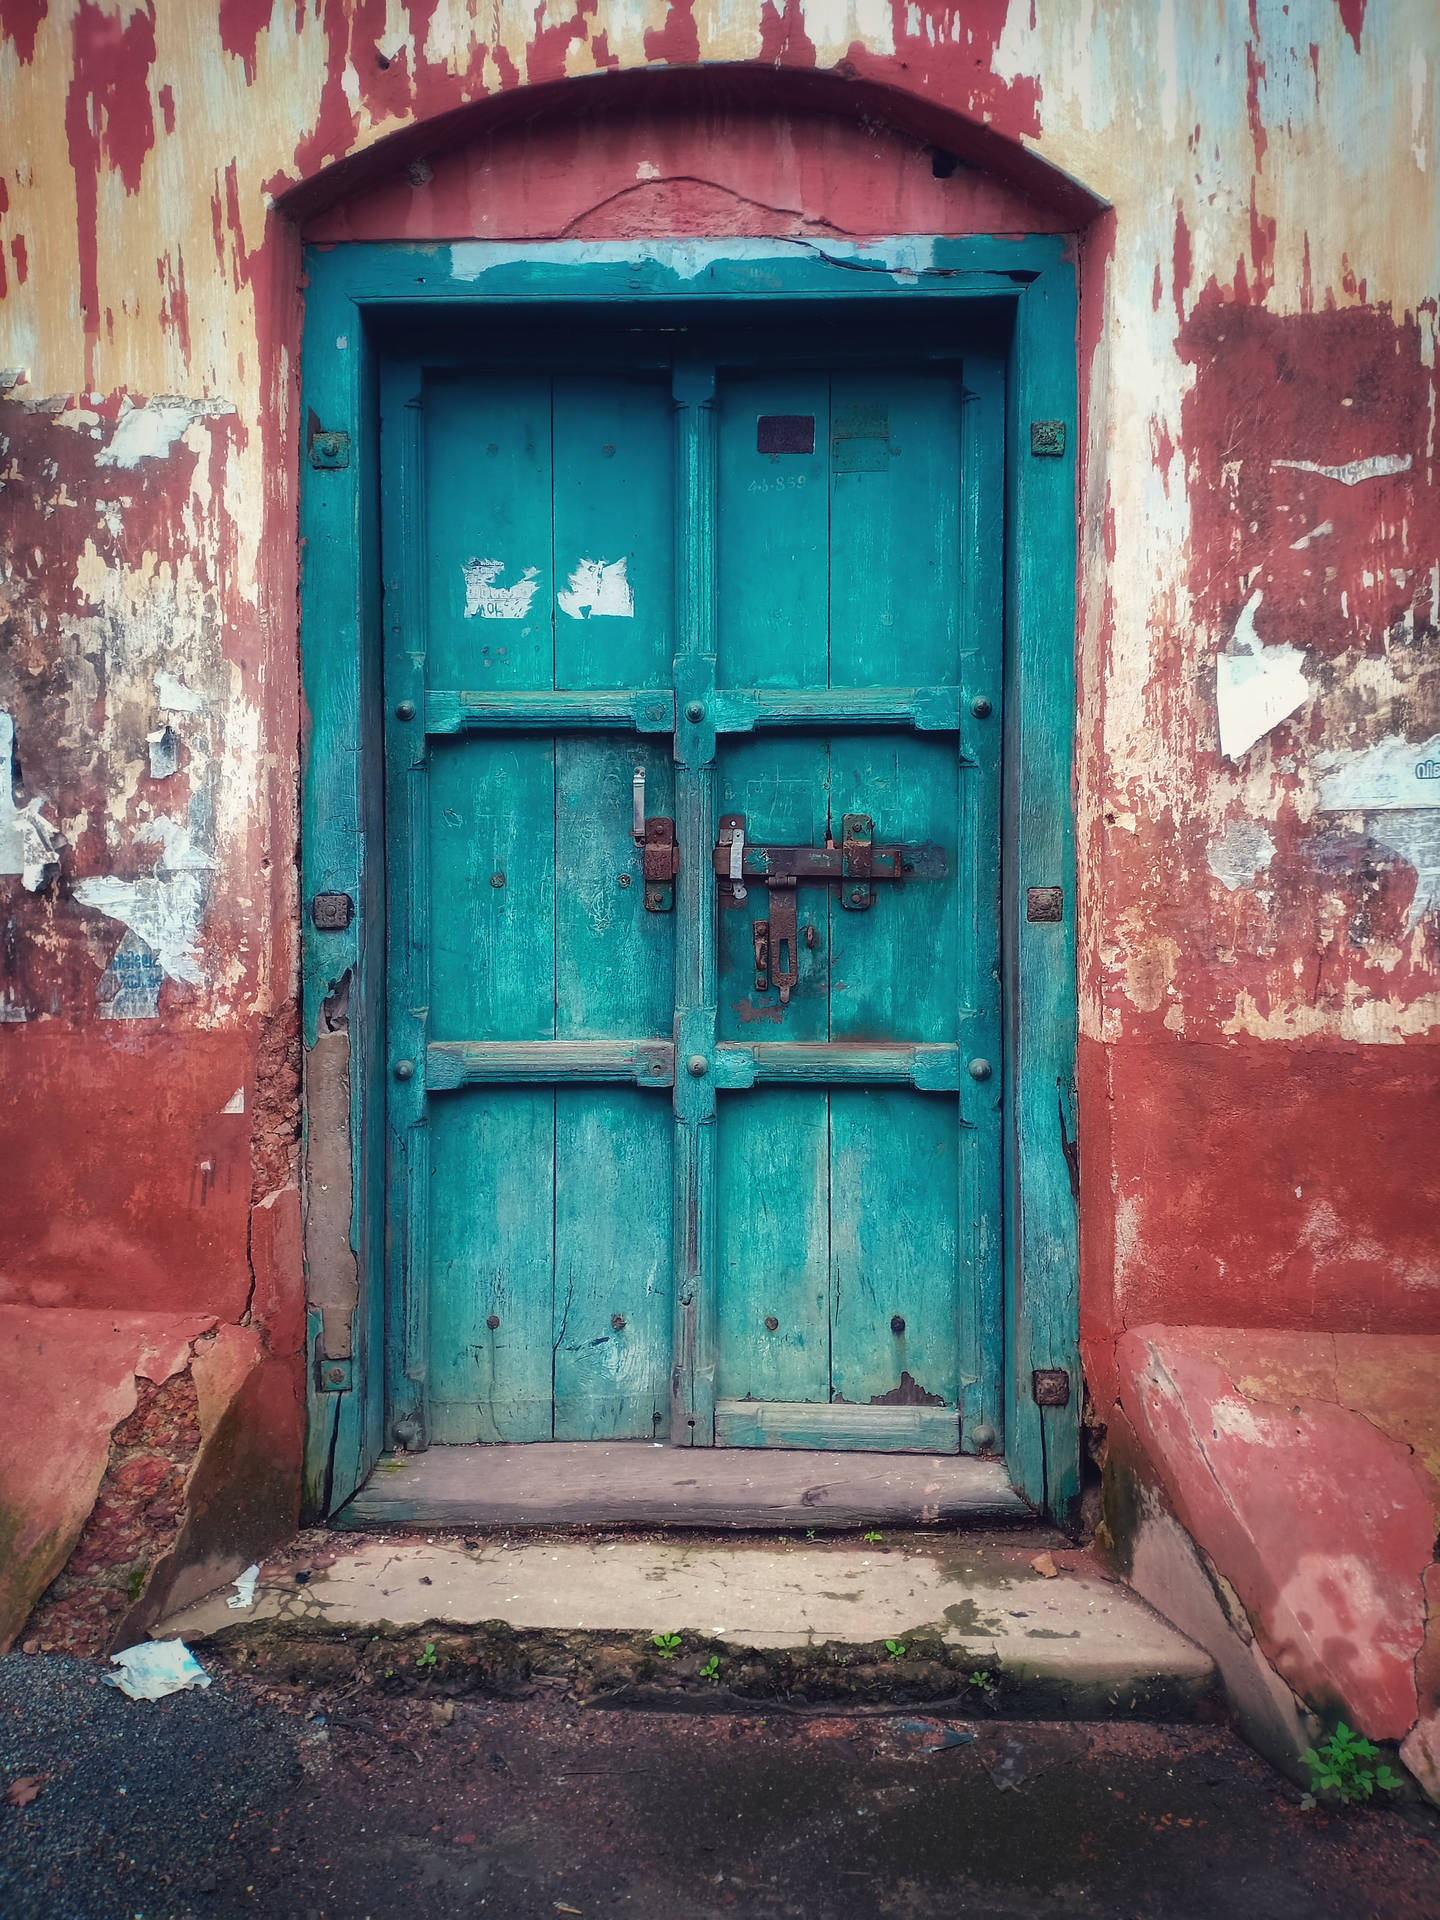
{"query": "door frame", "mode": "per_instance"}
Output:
(342, 778)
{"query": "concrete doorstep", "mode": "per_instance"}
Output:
(996, 1623)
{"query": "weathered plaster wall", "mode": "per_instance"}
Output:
(1259, 862)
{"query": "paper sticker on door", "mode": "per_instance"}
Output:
(598, 587)
(483, 597)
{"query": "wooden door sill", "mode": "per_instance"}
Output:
(632, 1483)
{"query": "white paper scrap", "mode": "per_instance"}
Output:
(158, 1667)
(244, 1594)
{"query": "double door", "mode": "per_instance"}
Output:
(692, 678)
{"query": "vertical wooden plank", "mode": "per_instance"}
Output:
(893, 1201)
(692, 1380)
(614, 552)
(614, 626)
(773, 630)
(1043, 1447)
(895, 592)
(979, 1318)
(407, 777)
(773, 1257)
(490, 564)
(339, 661)
(612, 1315)
(492, 1213)
(491, 939)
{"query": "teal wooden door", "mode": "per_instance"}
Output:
(711, 1158)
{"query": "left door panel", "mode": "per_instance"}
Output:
(528, 611)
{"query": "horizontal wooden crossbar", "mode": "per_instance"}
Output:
(651, 1063)
(652, 709)
(933, 1069)
(466, 1063)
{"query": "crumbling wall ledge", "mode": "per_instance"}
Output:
(1277, 1495)
(143, 1457)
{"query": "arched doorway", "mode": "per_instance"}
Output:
(689, 522)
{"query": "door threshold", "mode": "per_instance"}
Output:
(634, 1483)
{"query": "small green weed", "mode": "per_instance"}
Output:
(428, 1658)
(711, 1668)
(873, 1539)
(667, 1645)
(1343, 1765)
(896, 1649)
(982, 1681)
(809, 1533)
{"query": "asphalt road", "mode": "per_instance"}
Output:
(243, 1800)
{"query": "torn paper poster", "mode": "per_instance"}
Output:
(157, 1668)
(148, 433)
(173, 696)
(129, 988)
(1396, 785)
(164, 908)
(1392, 773)
(244, 1594)
(598, 587)
(1256, 686)
(490, 602)
(1414, 835)
(164, 745)
(1376, 467)
(29, 844)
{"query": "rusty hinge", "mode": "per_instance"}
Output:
(329, 449)
(1050, 1387)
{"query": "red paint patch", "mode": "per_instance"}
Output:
(1352, 18)
(1261, 1185)
(241, 23)
(1254, 74)
(22, 259)
(665, 169)
(107, 118)
(1328, 388)
(127, 1186)
(20, 23)
(678, 41)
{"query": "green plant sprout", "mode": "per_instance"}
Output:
(667, 1645)
(711, 1668)
(426, 1659)
(895, 1649)
(1343, 1765)
(872, 1538)
(982, 1681)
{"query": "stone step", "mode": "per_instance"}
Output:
(631, 1483)
(1005, 1622)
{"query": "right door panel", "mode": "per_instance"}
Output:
(858, 1179)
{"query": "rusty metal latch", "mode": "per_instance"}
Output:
(659, 855)
(855, 866)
